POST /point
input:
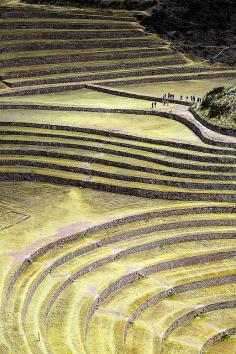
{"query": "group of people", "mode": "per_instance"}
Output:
(170, 96)
(154, 104)
(193, 99)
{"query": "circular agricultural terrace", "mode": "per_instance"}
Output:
(117, 215)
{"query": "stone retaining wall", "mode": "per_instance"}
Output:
(18, 15)
(99, 263)
(76, 44)
(66, 25)
(152, 194)
(73, 58)
(105, 133)
(118, 222)
(167, 78)
(178, 165)
(42, 90)
(207, 124)
(92, 11)
(72, 35)
(217, 337)
(168, 115)
(222, 177)
(177, 290)
(213, 168)
(76, 69)
(133, 95)
(112, 176)
(125, 280)
(197, 312)
(113, 75)
(166, 153)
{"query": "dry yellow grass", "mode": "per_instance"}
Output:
(87, 271)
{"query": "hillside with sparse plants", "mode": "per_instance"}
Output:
(219, 106)
(205, 29)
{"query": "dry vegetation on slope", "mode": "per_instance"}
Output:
(202, 28)
(219, 106)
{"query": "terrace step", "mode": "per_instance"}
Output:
(130, 282)
(206, 135)
(72, 44)
(135, 219)
(52, 15)
(67, 34)
(48, 174)
(91, 159)
(226, 344)
(72, 57)
(122, 73)
(108, 147)
(202, 328)
(221, 301)
(93, 67)
(173, 78)
(61, 160)
(14, 25)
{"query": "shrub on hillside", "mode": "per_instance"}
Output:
(209, 98)
(217, 110)
(219, 106)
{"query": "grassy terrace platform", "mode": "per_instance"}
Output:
(117, 221)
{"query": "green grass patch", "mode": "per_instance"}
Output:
(185, 88)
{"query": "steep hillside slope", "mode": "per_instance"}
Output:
(204, 28)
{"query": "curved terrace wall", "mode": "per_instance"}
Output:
(168, 115)
(106, 133)
(75, 69)
(111, 289)
(167, 78)
(152, 194)
(72, 35)
(54, 15)
(71, 58)
(120, 177)
(218, 129)
(133, 250)
(114, 75)
(73, 45)
(57, 25)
